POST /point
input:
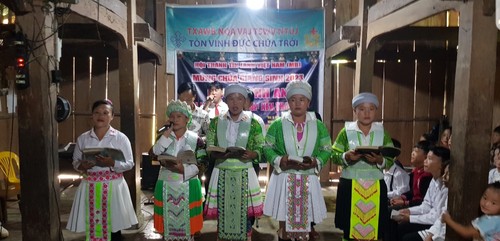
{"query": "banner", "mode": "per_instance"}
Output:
(234, 28)
(266, 74)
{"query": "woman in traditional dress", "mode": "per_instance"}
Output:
(178, 198)
(234, 196)
(102, 206)
(294, 195)
(361, 209)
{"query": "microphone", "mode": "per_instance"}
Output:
(164, 128)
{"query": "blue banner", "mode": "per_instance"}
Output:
(239, 29)
(266, 74)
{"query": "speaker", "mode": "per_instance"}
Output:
(63, 109)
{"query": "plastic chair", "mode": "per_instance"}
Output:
(9, 165)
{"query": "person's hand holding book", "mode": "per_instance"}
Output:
(104, 161)
(249, 155)
(352, 157)
(86, 164)
(374, 158)
(308, 163)
(174, 166)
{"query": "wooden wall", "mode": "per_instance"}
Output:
(92, 76)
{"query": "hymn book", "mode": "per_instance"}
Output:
(387, 151)
(89, 154)
(186, 157)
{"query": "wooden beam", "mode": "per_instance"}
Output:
(129, 105)
(365, 55)
(410, 14)
(428, 34)
(110, 13)
(38, 134)
(389, 15)
(472, 112)
(328, 85)
(338, 48)
(386, 7)
(149, 39)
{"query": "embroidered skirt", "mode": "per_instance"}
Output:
(102, 205)
(178, 209)
(355, 222)
(282, 191)
(233, 197)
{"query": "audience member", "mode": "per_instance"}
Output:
(422, 217)
(419, 179)
(395, 177)
(486, 227)
(494, 175)
(438, 230)
(495, 142)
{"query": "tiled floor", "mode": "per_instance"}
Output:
(265, 231)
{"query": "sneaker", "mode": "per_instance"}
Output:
(4, 233)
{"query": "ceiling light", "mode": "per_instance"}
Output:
(255, 4)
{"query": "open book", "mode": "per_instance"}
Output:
(305, 159)
(89, 154)
(387, 151)
(186, 157)
(233, 151)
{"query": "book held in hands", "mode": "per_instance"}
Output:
(89, 154)
(299, 159)
(387, 151)
(232, 151)
(186, 157)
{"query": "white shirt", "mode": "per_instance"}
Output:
(400, 181)
(200, 121)
(190, 170)
(438, 229)
(432, 206)
(114, 139)
(494, 176)
(233, 126)
(221, 106)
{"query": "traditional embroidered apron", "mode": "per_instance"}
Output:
(232, 186)
(99, 206)
(172, 200)
(365, 199)
(298, 225)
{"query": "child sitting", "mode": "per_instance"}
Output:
(486, 227)
(395, 176)
(422, 217)
(494, 175)
(419, 179)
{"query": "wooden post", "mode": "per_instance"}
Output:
(365, 53)
(476, 60)
(328, 88)
(38, 132)
(129, 103)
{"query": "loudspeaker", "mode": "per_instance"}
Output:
(63, 109)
